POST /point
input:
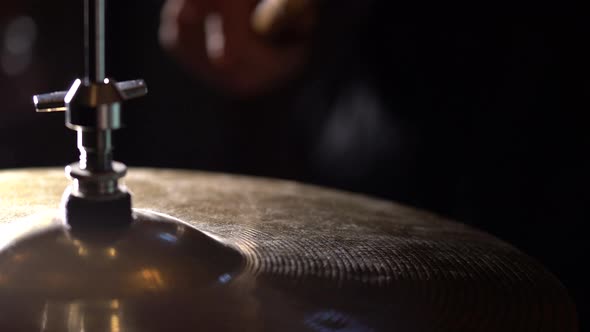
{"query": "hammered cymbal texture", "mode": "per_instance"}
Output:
(342, 251)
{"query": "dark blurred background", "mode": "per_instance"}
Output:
(477, 118)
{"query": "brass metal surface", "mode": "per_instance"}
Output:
(155, 275)
(290, 257)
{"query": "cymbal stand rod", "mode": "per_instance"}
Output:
(92, 108)
(94, 40)
(95, 143)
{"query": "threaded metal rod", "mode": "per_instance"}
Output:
(96, 150)
(95, 145)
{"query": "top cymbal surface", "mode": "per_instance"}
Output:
(345, 261)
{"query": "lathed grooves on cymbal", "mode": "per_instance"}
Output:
(398, 262)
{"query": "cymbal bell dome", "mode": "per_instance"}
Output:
(156, 274)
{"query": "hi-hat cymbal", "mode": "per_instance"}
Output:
(315, 259)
